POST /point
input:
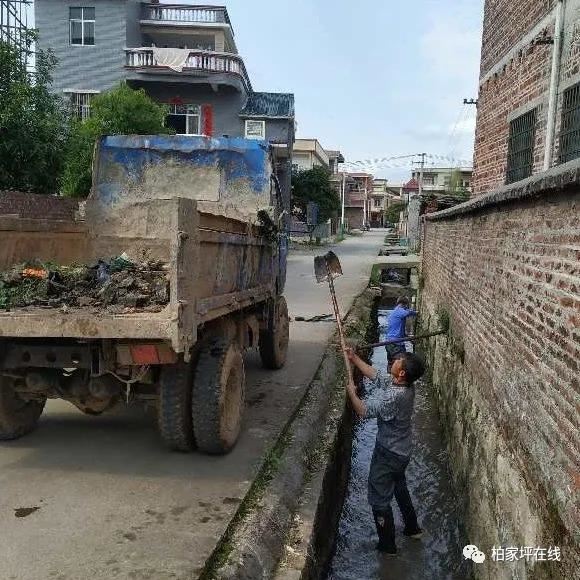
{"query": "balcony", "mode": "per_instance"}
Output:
(197, 63)
(184, 14)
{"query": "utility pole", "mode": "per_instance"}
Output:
(342, 196)
(421, 165)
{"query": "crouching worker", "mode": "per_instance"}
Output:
(392, 404)
(396, 328)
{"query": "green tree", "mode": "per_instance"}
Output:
(455, 187)
(392, 213)
(33, 122)
(313, 185)
(121, 111)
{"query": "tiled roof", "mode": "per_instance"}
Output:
(412, 185)
(280, 105)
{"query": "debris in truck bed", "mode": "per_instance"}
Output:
(116, 285)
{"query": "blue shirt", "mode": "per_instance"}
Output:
(396, 324)
(392, 405)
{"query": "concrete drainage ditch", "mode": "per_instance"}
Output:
(306, 515)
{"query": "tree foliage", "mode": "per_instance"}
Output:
(122, 111)
(313, 185)
(33, 122)
(455, 187)
(393, 212)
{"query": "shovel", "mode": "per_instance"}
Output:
(327, 268)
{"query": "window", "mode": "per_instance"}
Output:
(255, 129)
(428, 180)
(81, 105)
(82, 26)
(570, 132)
(185, 119)
(378, 202)
(520, 160)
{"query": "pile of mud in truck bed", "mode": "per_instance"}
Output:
(115, 286)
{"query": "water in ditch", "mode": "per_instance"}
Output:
(438, 555)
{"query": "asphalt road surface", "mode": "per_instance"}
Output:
(100, 497)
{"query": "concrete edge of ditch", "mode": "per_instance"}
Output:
(289, 493)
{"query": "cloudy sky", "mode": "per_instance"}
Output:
(373, 78)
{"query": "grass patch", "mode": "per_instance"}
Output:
(375, 275)
(250, 503)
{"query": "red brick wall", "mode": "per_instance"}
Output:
(518, 86)
(508, 374)
(521, 82)
(34, 206)
(505, 23)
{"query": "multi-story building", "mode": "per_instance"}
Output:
(334, 159)
(441, 180)
(182, 55)
(309, 153)
(377, 203)
(356, 199)
(529, 90)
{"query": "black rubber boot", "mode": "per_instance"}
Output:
(385, 525)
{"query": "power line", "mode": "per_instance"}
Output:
(402, 161)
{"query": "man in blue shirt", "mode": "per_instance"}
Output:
(396, 328)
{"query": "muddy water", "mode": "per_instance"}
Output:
(437, 556)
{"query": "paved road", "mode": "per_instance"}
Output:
(102, 498)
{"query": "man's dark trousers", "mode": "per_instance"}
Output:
(387, 478)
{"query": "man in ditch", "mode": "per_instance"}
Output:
(396, 328)
(391, 403)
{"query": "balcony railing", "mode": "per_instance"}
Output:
(185, 14)
(197, 61)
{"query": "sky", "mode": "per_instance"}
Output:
(373, 78)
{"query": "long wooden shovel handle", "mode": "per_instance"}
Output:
(339, 324)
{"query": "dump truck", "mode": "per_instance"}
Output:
(210, 211)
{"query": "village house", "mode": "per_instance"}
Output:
(182, 55)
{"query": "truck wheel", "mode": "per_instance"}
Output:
(274, 339)
(17, 416)
(174, 407)
(218, 396)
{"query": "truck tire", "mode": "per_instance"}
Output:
(275, 337)
(17, 416)
(218, 396)
(174, 407)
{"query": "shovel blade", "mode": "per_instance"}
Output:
(325, 265)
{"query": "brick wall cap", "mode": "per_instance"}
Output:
(558, 178)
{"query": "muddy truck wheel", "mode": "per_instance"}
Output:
(174, 407)
(218, 396)
(18, 416)
(275, 337)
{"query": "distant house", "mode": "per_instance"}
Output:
(357, 197)
(309, 153)
(440, 180)
(182, 55)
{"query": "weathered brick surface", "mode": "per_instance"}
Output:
(515, 77)
(33, 206)
(506, 23)
(508, 376)
(519, 87)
